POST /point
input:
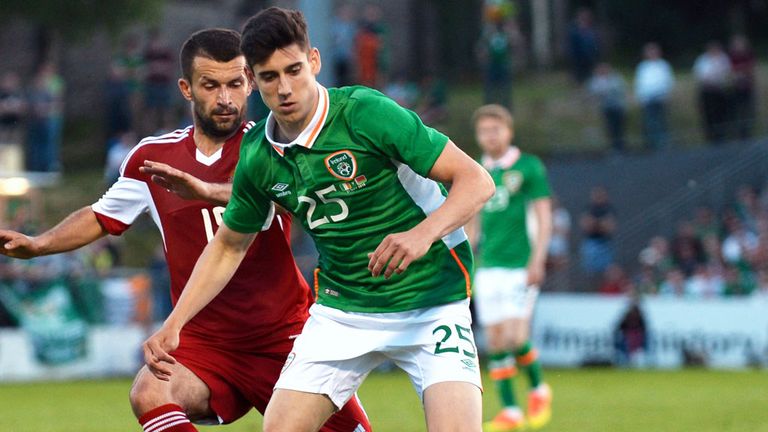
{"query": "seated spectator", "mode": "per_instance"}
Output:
(705, 282)
(673, 284)
(687, 251)
(615, 281)
(598, 225)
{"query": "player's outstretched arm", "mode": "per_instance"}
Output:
(76, 230)
(186, 185)
(471, 187)
(215, 267)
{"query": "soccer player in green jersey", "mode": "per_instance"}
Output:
(511, 265)
(363, 176)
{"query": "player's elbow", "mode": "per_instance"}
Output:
(486, 188)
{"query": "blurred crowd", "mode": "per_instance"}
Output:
(711, 254)
(31, 112)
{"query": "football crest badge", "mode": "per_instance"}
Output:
(342, 164)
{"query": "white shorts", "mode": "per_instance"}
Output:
(337, 349)
(501, 294)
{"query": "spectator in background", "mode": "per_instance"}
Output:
(128, 64)
(611, 89)
(583, 46)
(687, 251)
(743, 62)
(12, 107)
(656, 256)
(705, 282)
(712, 72)
(631, 337)
(343, 39)
(116, 154)
(615, 281)
(673, 284)
(494, 52)
(45, 99)
(118, 100)
(747, 207)
(654, 81)
(159, 77)
(370, 45)
(598, 225)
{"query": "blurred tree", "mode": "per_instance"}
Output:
(73, 19)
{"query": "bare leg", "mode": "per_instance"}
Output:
(453, 406)
(184, 389)
(296, 411)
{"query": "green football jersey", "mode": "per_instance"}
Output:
(356, 174)
(519, 179)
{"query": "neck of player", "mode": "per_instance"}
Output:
(209, 145)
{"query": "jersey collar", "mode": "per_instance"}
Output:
(505, 161)
(308, 136)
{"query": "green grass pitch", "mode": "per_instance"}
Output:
(588, 400)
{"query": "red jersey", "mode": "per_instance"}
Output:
(266, 301)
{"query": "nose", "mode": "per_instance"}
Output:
(224, 97)
(284, 87)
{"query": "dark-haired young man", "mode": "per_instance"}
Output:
(232, 352)
(362, 175)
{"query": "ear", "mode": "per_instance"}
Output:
(314, 61)
(186, 89)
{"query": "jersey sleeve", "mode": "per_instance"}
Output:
(249, 209)
(125, 200)
(537, 185)
(396, 132)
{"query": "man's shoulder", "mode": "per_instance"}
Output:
(156, 147)
(355, 94)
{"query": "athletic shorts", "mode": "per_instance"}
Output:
(239, 381)
(338, 349)
(501, 294)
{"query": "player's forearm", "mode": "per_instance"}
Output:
(218, 193)
(470, 190)
(76, 230)
(543, 211)
(213, 270)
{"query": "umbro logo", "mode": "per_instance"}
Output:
(280, 187)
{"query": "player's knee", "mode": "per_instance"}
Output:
(144, 396)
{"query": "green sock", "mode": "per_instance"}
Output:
(503, 371)
(528, 358)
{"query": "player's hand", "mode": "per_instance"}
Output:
(17, 245)
(173, 180)
(156, 350)
(536, 273)
(396, 252)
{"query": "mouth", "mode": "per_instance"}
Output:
(287, 106)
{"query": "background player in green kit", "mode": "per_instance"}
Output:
(511, 265)
(393, 282)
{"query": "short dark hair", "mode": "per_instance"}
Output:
(272, 29)
(221, 45)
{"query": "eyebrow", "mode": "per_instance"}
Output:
(290, 66)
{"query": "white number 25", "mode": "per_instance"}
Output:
(313, 204)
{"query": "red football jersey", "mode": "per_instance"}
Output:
(266, 301)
